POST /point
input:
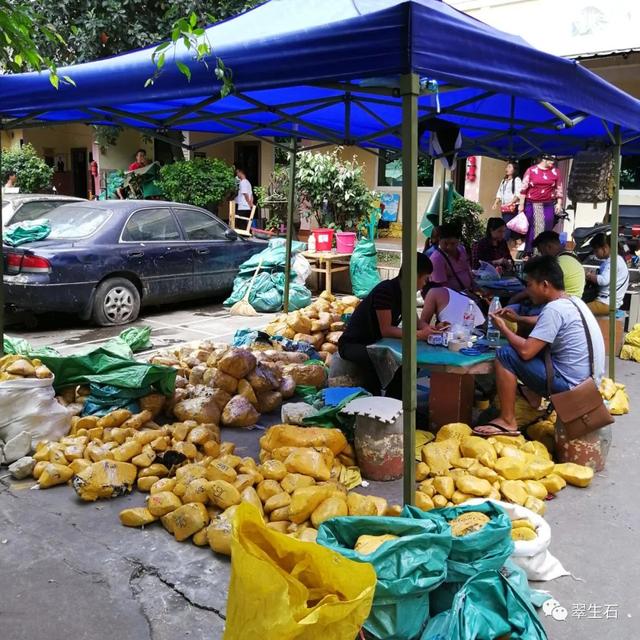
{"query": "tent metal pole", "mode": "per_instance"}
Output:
(613, 283)
(410, 90)
(192, 108)
(557, 113)
(512, 115)
(606, 128)
(290, 208)
(1, 277)
(443, 185)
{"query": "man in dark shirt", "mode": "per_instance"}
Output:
(376, 317)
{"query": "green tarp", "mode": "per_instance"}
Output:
(110, 364)
(488, 606)
(363, 268)
(407, 569)
(24, 232)
(488, 548)
(267, 292)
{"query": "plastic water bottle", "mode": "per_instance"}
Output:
(312, 243)
(468, 320)
(493, 334)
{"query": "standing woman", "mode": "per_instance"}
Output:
(541, 197)
(508, 193)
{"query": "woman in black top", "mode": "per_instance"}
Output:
(376, 317)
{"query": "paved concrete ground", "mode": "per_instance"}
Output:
(171, 324)
(70, 570)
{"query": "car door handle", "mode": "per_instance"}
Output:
(202, 252)
(135, 254)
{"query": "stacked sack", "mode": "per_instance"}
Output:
(459, 466)
(195, 482)
(320, 324)
(293, 488)
(631, 347)
(107, 456)
(232, 386)
(615, 396)
(15, 367)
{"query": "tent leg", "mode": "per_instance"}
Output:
(613, 284)
(410, 90)
(443, 186)
(1, 278)
(290, 208)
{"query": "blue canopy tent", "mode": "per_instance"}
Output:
(355, 72)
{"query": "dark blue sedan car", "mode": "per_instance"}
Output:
(104, 260)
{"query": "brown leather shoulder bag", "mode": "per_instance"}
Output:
(581, 409)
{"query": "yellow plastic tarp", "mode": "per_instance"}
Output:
(288, 589)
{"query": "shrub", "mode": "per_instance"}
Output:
(202, 182)
(466, 214)
(33, 174)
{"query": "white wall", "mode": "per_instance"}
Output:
(563, 27)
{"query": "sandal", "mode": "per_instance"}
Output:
(502, 431)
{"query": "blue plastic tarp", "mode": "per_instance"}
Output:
(280, 48)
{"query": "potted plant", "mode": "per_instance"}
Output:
(332, 191)
(203, 182)
(274, 197)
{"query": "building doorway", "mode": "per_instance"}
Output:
(79, 171)
(165, 153)
(247, 156)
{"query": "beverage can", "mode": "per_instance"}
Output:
(435, 340)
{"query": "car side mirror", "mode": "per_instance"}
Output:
(230, 234)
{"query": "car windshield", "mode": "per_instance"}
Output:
(71, 221)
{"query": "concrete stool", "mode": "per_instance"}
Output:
(589, 450)
(378, 436)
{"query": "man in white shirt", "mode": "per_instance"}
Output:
(244, 198)
(601, 245)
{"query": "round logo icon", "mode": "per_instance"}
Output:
(559, 613)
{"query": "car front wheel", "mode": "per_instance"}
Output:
(117, 301)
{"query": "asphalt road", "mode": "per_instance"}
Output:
(70, 570)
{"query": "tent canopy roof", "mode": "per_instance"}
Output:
(330, 71)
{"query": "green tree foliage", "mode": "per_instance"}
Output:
(202, 182)
(34, 175)
(466, 214)
(27, 39)
(94, 29)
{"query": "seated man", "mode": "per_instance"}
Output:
(548, 244)
(601, 245)
(560, 328)
(376, 317)
(448, 307)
